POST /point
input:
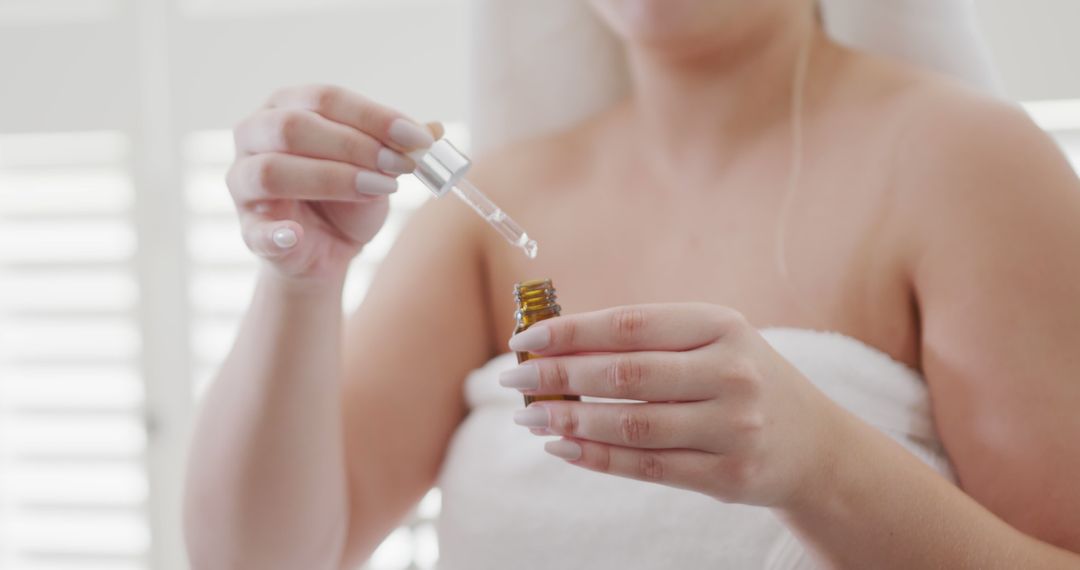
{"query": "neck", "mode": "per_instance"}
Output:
(693, 108)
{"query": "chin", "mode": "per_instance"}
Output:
(661, 19)
(679, 25)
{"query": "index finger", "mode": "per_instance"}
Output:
(390, 127)
(667, 327)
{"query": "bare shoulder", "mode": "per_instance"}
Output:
(952, 141)
(962, 158)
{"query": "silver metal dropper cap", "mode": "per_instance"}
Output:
(440, 167)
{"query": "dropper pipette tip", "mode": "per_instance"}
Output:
(495, 217)
(531, 249)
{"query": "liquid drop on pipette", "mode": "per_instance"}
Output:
(531, 248)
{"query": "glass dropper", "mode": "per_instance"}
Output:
(442, 169)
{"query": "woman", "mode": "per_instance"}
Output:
(929, 226)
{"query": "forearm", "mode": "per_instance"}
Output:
(266, 484)
(877, 506)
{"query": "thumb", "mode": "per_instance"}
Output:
(272, 238)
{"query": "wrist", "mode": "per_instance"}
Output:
(327, 285)
(833, 466)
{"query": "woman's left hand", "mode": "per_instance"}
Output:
(719, 411)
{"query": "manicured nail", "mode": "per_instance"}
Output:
(373, 183)
(410, 135)
(523, 377)
(563, 448)
(284, 238)
(533, 338)
(393, 162)
(533, 417)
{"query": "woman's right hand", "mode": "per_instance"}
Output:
(313, 171)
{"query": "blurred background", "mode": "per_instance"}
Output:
(122, 273)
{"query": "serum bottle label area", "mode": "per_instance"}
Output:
(536, 301)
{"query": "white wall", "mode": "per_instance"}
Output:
(1036, 44)
(224, 58)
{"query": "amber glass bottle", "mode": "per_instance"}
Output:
(535, 303)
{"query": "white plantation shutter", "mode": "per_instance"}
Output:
(73, 478)
(73, 482)
(73, 437)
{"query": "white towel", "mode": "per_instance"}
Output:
(508, 504)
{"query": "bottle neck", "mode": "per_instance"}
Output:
(536, 301)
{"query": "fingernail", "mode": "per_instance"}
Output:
(563, 448)
(374, 183)
(533, 417)
(284, 238)
(533, 338)
(394, 162)
(523, 377)
(410, 135)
